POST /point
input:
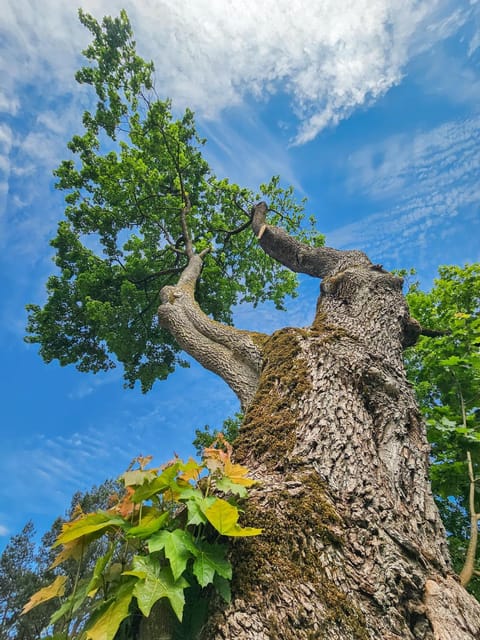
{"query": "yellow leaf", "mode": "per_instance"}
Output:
(190, 470)
(57, 588)
(236, 473)
(137, 477)
(72, 549)
(224, 517)
(87, 524)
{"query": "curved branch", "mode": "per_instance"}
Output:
(228, 352)
(297, 256)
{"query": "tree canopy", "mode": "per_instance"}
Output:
(140, 199)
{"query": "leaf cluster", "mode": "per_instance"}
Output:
(165, 537)
(446, 369)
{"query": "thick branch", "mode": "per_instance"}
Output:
(297, 256)
(228, 352)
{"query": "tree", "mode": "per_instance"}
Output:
(25, 567)
(18, 581)
(446, 373)
(352, 544)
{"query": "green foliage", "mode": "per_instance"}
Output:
(165, 538)
(445, 371)
(134, 172)
(205, 437)
(18, 582)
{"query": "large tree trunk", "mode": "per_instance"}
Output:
(353, 546)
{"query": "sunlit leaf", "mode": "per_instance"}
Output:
(236, 473)
(191, 470)
(224, 517)
(148, 526)
(73, 549)
(91, 523)
(158, 583)
(163, 482)
(178, 546)
(57, 588)
(109, 617)
(137, 477)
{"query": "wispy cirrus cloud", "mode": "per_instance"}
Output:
(432, 178)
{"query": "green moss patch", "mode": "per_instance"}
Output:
(268, 431)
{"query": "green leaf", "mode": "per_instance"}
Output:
(148, 527)
(178, 546)
(107, 620)
(166, 480)
(72, 603)
(196, 507)
(158, 583)
(229, 486)
(224, 517)
(98, 570)
(222, 585)
(210, 560)
(452, 361)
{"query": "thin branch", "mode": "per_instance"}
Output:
(434, 333)
(157, 274)
(183, 220)
(469, 567)
(187, 206)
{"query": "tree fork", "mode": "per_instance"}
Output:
(230, 353)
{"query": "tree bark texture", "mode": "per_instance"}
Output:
(352, 545)
(231, 353)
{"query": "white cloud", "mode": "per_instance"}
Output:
(4, 531)
(431, 160)
(7, 104)
(329, 56)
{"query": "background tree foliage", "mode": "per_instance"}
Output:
(445, 371)
(25, 567)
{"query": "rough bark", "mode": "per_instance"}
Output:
(353, 546)
(230, 353)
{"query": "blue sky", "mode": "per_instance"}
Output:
(369, 108)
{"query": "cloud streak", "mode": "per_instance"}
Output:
(433, 179)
